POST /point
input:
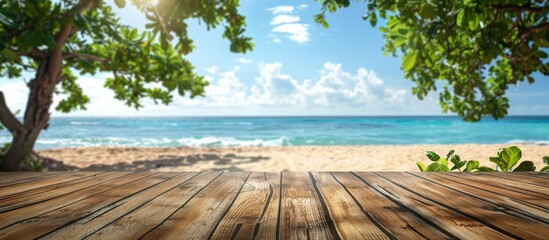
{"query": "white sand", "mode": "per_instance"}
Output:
(308, 158)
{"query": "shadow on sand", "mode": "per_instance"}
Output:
(227, 162)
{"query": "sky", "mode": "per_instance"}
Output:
(297, 68)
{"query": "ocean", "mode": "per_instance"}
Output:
(285, 131)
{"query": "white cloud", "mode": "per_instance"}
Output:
(296, 32)
(243, 60)
(288, 25)
(226, 91)
(272, 91)
(212, 69)
(335, 87)
(274, 88)
(281, 9)
(302, 6)
(280, 19)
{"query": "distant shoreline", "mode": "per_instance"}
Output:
(294, 158)
(298, 116)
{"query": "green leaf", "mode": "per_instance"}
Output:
(460, 16)
(485, 169)
(455, 159)
(421, 166)
(495, 160)
(399, 41)
(525, 166)
(409, 60)
(10, 55)
(473, 20)
(319, 18)
(120, 3)
(546, 160)
(432, 156)
(500, 163)
(472, 165)
(437, 167)
(545, 169)
(449, 154)
(443, 161)
(511, 156)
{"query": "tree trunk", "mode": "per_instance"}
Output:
(36, 118)
(37, 114)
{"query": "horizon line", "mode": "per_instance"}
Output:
(274, 116)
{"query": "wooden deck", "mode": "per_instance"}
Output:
(287, 205)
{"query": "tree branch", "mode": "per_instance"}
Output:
(84, 56)
(537, 28)
(35, 53)
(512, 7)
(7, 118)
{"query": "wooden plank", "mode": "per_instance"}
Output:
(509, 183)
(255, 210)
(519, 178)
(480, 187)
(26, 186)
(123, 219)
(302, 214)
(38, 195)
(142, 220)
(457, 224)
(9, 178)
(198, 218)
(397, 219)
(51, 221)
(525, 188)
(27, 213)
(349, 219)
(518, 226)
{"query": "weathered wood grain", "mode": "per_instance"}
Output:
(38, 195)
(287, 205)
(53, 220)
(499, 182)
(9, 178)
(519, 178)
(198, 218)
(143, 219)
(457, 224)
(349, 219)
(29, 185)
(101, 217)
(31, 213)
(302, 213)
(523, 202)
(254, 212)
(400, 221)
(513, 225)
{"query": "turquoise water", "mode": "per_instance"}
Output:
(286, 131)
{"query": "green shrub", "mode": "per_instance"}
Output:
(505, 160)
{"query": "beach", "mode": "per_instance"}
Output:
(293, 158)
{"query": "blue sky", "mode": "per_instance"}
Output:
(297, 68)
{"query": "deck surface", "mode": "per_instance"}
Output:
(287, 205)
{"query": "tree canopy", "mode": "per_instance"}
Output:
(98, 42)
(59, 39)
(478, 48)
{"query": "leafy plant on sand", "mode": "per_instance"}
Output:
(477, 47)
(505, 160)
(59, 40)
(546, 161)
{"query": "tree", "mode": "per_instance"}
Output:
(55, 39)
(478, 47)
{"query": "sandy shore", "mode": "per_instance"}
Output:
(308, 158)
